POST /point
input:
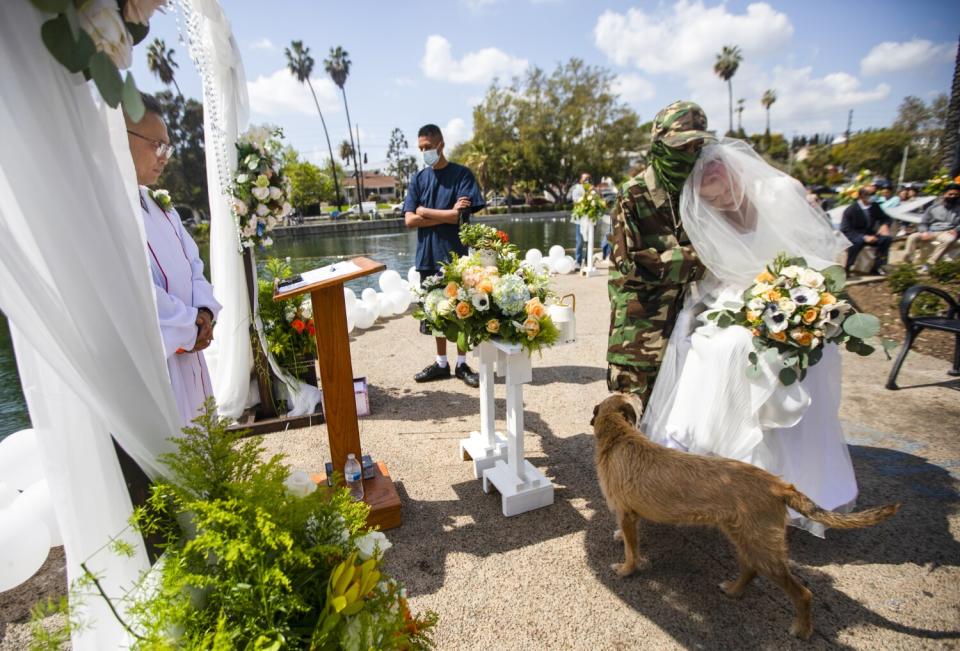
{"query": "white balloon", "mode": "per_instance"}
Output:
(533, 256)
(369, 295)
(565, 265)
(557, 252)
(386, 305)
(389, 280)
(7, 495)
(35, 503)
(401, 301)
(351, 317)
(364, 316)
(413, 277)
(20, 460)
(349, 296)
(25, 542)
(551, 264)
(404, 285)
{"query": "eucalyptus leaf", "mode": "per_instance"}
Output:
(712, 316)
(862, 326)
(770, 355)
(787, 376)
(815, 355)
(724, 320)
(865, 350)
(132, 102)
(753, 358)
(834, 277)
(754, 372)
(888, 345)
(107, 78)
(71, 54)
(51, 6)
(73, 19)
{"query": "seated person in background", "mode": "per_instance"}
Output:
(939, 226)
(865, 224)
(886, 196)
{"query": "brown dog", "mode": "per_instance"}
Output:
(641, 479)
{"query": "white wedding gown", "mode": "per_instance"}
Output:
(703, 401)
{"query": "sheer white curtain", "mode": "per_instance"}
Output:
(75, 286)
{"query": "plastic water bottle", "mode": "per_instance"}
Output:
(353, 475)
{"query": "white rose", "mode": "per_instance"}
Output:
(307, 309)
(787, 306)
(262, 210)
(756, 304)
(271, 222)
(760, 288)
(261, 193)
(445, 307)
(275, 192)
(240, 208)
(139, 11)
(368, 544)
(810, 278)
(242, 178)
(792, 271)
(102, 21)
(299, 484)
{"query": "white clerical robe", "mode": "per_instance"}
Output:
(180, 289)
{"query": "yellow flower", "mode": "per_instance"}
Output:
(753, 315)
(535, 308)
(464, 310)
(773, 295)
(827, 298)
(756, 332)
(810, 315)
(777, 336)
(801, 336)
(485, 286)
(451, 290)
(493, 326)
(531, 327)
(765, 277)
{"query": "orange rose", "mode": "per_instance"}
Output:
(485, 286)
(451, 290)
(493, 326)
(765, 277)
(827, 298)
(753, 315)
(531, 327)
(802, 337)
(810, 315)
(298, 325)
(778, 336)
(535, 308)
(772, 295)
(756, 332)
(463, 310)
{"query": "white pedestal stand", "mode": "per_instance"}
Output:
(521, 486)
(487, 446)
(587, 269)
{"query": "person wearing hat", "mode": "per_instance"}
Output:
(652, 261)
(939, 226)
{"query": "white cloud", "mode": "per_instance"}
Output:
(282, 94)
(633, 88)
(478, 67)
(687, 37)
(891, 56)
(263, 44)
(455, 132)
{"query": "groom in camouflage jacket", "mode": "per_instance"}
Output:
(653, 261)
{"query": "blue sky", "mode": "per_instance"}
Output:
(416, 62)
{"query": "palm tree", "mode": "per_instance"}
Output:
(346, 153)
(769, 97)
(726, 67)
(337, 66)
(160, 62)
(300, 64)
(951, 159)
(740, 103)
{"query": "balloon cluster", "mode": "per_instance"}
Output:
(557, 261)
(28, 526)
(393, 299)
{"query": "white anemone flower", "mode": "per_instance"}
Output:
(774, 319)
(831, 318)
(804, 296)
(480, 301)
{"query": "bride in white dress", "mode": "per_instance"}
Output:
(739, 213)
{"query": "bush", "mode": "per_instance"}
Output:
(946, 271)
(903, 277)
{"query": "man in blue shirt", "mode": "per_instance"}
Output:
(441, 196)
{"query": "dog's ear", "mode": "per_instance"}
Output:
(596, 410)
(628, 411)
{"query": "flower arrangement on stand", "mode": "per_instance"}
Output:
(96, 38)
(792, 312)
(260, 189)
(472, 301)
(590, 206)
(848, 193)
(288, 324)
(937, 184)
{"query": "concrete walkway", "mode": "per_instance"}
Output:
(542, 580)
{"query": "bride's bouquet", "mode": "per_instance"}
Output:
(793, 311)
(488, 294)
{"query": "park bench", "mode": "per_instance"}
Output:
(948, 322)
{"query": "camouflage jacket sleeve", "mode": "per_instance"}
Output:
(649, 245)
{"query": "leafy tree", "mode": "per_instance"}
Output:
(740, 107)
(769, 97)
(160, 62)
(185, 175)
(337, 66)
(880, 151)
(726, 67)
(300, 64)
(400, 164)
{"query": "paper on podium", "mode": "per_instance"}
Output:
(324, 273)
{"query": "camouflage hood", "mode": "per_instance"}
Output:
(677, 125)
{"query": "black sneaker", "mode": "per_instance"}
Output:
(466, 374)
(433, 372)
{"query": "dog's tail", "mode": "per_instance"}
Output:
(866, 518)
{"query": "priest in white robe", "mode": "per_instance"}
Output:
(186, 307)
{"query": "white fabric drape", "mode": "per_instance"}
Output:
(225, 114)
(75, 286)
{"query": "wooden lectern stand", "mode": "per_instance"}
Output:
(336, 378)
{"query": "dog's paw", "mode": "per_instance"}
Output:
(728, 589)
(623, 569)
(617, 534)
(801, 630)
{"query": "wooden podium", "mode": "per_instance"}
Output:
(336, 378)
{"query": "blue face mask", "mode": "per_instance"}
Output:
(430, 157)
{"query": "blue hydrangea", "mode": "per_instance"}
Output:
(510, 294)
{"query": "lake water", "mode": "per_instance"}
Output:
(394, 249)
